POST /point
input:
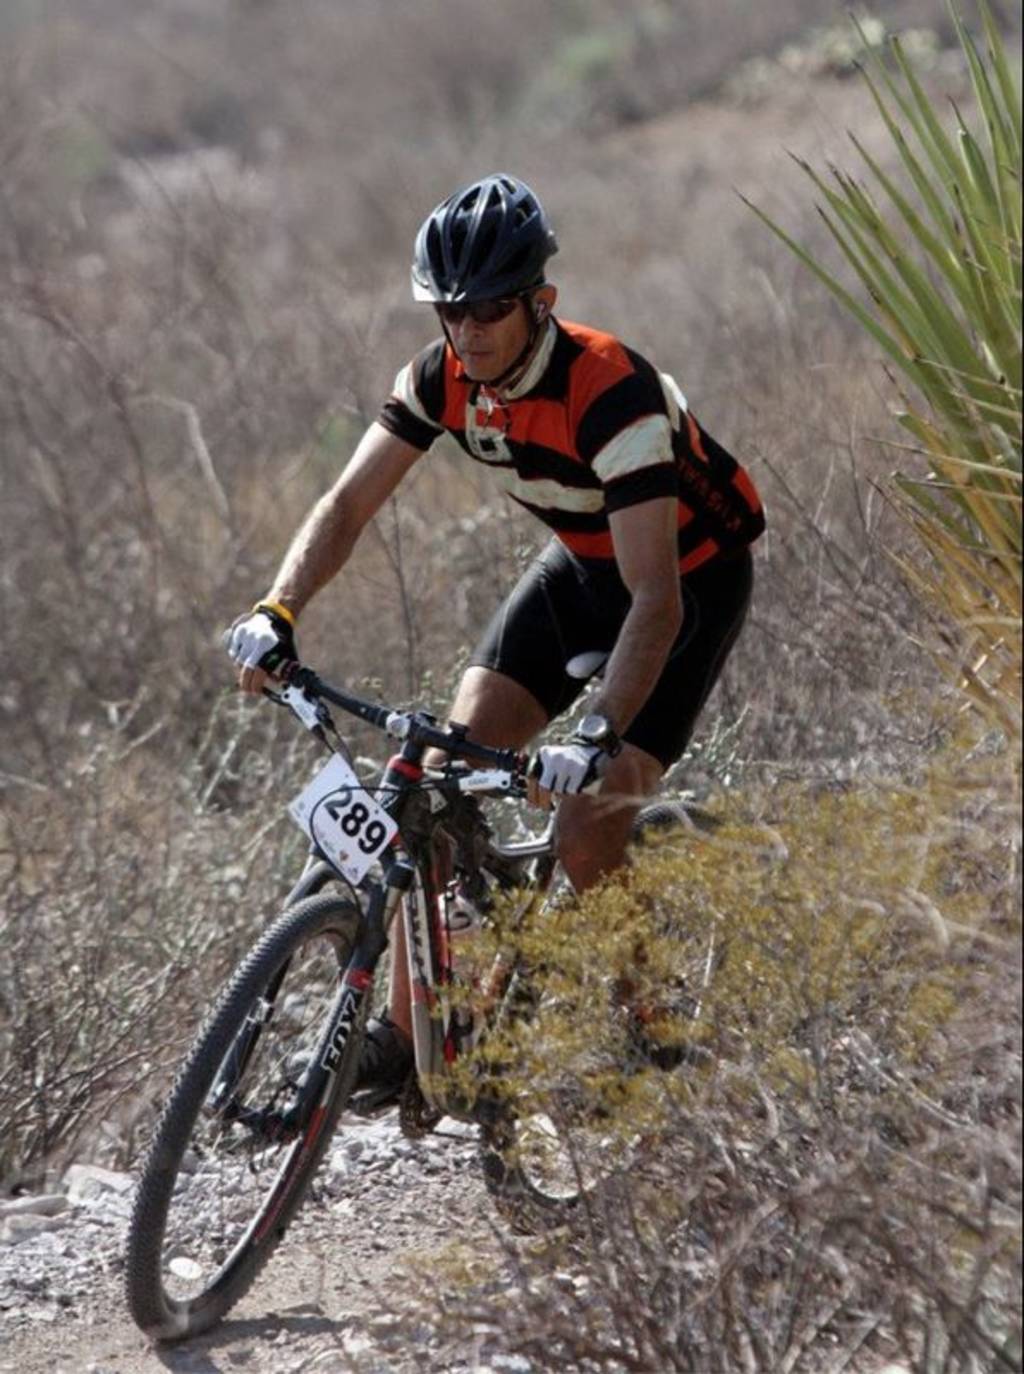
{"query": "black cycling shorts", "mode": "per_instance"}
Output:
(563, 606)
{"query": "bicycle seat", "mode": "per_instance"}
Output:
(588, 664)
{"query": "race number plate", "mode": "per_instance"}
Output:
(340, 816)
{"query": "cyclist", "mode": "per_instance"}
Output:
(652, 523)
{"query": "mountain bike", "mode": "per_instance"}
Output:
(253, 1109)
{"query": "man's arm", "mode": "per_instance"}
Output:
(326, 538)
(646, 550)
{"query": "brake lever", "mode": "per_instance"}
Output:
(312, 714)
(486, 780)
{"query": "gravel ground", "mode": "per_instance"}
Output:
(329, 1300)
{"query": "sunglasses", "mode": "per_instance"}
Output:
(480, 312)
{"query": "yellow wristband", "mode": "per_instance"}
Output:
(278, 609)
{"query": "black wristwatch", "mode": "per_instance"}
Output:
(597, 732)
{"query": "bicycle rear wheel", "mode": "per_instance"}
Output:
(547, 1149)
(221, 1182)
(540, 1163)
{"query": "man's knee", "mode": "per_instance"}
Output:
(594, 830)
(497, 710)
(592, 840)
(629, 780)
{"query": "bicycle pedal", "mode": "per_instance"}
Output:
(373, 1101)
(668, 1058)
(416, 1116)
(488, 1109)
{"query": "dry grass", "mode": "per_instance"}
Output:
(128, 896)
(193, 345)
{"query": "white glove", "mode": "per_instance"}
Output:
(568, 767)
(255, 636)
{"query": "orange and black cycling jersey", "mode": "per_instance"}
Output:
(591, 428)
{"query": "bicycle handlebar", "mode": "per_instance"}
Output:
(403, 725)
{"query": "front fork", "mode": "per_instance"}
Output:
(318, 1076)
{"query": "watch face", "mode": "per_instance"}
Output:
(594, 728)
(598, 732)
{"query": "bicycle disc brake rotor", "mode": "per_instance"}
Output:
(236, 1155)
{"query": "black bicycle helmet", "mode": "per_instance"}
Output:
(488, 240)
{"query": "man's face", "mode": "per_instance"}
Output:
(486, 350)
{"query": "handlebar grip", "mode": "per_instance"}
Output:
(516, 762)
(291, 672)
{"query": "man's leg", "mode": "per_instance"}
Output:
(502, 714)
(594, 829)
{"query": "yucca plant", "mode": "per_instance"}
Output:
(936, 245)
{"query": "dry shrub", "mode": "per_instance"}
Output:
(185, 376)
(128, 896)
(834, 1180)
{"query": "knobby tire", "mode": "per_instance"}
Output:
(158, 1312)
(527, 1205)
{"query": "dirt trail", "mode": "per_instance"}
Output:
(327, 1301)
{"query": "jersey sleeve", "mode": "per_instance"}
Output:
(412, 412)
(625, 435)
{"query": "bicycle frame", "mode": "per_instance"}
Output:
(438, 1040)
(412, 883)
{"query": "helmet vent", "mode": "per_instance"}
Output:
(490, 239)
(485, 244)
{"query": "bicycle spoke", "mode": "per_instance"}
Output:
(232, 1162)
(232, 1156)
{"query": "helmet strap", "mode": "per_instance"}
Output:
(519, 364)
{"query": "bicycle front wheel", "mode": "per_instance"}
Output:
(220, 1182)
